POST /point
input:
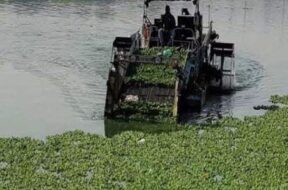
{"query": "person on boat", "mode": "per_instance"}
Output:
(168, 25)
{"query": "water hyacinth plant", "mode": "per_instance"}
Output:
(153, 109)
(228, 154)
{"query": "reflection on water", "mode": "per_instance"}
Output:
(66, 45)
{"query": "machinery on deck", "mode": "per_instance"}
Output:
(147, 80)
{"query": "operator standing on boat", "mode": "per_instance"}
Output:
(168, 25)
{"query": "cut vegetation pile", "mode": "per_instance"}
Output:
(230, 154)
(147, 110)
(155, 74)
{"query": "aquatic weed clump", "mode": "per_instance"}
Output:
(227, 154)
(276, 99)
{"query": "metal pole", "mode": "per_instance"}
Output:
(222, 68)
(209, 14)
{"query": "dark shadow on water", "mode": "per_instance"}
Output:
(117, 126)
(212, 112)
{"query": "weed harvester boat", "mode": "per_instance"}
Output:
(150, 81)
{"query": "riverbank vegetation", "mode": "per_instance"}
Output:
(227, 154)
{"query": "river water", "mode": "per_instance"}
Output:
(54, 58)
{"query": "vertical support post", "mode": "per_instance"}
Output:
(176, 99)
(222, 68)
(196, 3)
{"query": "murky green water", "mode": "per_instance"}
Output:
(54, 58)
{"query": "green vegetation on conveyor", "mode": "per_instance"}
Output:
(153, 74)
(229, 154)
(155, 51)
(156, 75)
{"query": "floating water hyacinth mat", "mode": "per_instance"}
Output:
(229, 154)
